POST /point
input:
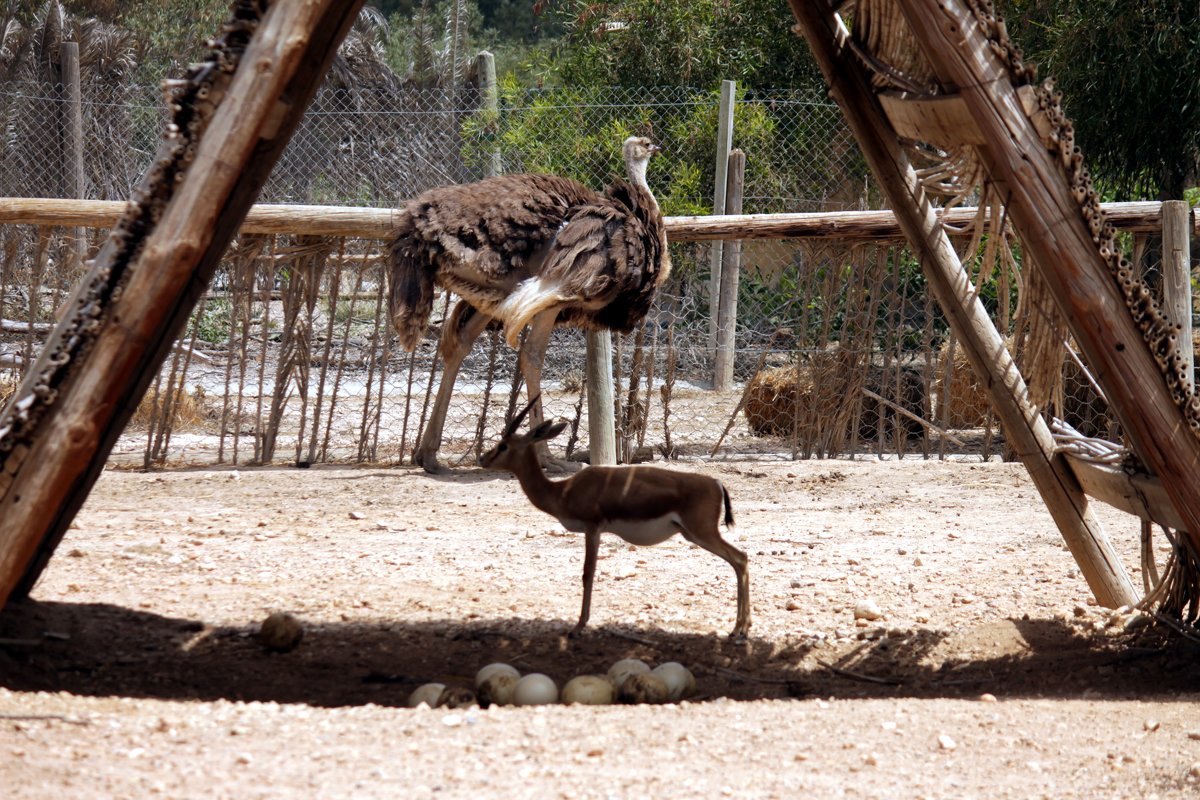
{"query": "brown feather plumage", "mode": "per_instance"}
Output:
(601, 255)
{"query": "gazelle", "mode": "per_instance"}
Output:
(643, 505)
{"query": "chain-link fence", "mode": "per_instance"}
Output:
(839, 348)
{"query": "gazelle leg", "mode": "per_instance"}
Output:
(530, 360)
(460, 332)
(712, 542)
(591, 539)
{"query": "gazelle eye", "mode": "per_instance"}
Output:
(502, 447)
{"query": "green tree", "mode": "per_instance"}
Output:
(1130, 74)
(682, 43)
(170, 33)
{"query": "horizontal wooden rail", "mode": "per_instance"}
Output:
(377, 223)
(1135, 493)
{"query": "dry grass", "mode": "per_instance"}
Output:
(8, 387)
(186, 410)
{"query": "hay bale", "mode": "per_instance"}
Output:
(188, 410)
(968, 403)
(784, 398)
(811, 400)
(771, 399)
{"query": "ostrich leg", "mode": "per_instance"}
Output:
(530, 360)
(462, 329)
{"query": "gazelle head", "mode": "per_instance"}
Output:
(509, 451)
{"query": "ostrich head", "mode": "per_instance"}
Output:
(637, 151)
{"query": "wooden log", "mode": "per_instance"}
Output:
(725, 114)
(485, 80)
(280, 70)
(378, 223)
(602, 433)
(1027, 431)
(348, 221)
(74, 178)
(944, 120)
(731, 265)
(1052, 227)
(1138, 494)
(1132, 217)
(1177, 275)
(19, 326)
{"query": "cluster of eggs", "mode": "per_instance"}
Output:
(629, 680)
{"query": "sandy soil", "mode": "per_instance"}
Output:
(135, 669)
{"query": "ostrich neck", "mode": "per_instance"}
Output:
(637, 176)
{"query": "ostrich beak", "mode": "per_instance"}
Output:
(654, 149)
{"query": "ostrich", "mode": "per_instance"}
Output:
(527, 250)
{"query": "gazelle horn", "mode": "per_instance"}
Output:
(520, 417)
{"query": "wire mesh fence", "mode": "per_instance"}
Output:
(288, 358)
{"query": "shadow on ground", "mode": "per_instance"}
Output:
(104, 650)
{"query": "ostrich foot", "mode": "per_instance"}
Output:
(561, 466)
(428, 460)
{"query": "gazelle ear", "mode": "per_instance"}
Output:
(547, 430)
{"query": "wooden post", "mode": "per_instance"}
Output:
(1177, 276)
(66, 449)
(1053, 229)
(724, 143)
(982, 343)
(485, 79)
(602, 437)
(731, 263)
(74, 181)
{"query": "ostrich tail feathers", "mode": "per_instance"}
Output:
(410, 300)
(531, 297)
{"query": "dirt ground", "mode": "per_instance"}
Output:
(135, 669)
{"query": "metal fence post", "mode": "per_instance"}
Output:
(724, 144)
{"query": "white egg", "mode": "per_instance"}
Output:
(535, 689)
(495, 669)
(497, 690)
(621, 670)
(426, 693)
(588, 690)
(678, 678)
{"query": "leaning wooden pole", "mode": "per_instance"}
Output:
(233, 116)
(1052, 224)
(985, 348)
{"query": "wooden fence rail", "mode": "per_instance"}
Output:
(378, 223)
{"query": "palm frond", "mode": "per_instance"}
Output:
(48, 29)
